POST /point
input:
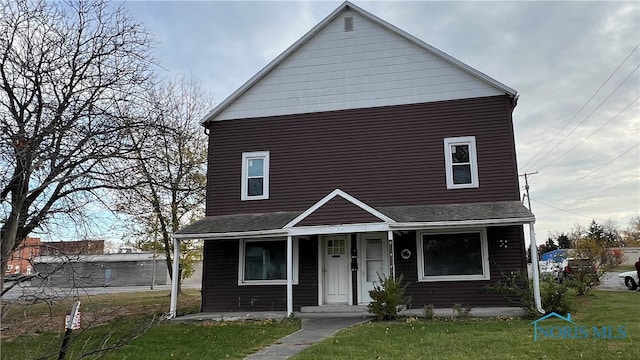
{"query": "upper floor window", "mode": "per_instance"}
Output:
(460, 161)
(255, 175)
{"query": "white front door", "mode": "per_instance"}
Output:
(336, 269)
(372, 260)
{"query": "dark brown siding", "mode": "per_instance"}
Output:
(468, 293)
(220, 290)
(382, 156)
(338, 211)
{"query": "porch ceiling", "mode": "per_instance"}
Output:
(273, 224)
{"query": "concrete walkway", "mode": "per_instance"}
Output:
(313, 330)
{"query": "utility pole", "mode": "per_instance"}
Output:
(526, 186)
(534, 251)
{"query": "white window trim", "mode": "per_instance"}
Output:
(484, 246)
(466, 140)
(245, 176)
(242, 282)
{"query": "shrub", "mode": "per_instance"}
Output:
(387, 297)
(460, 311)
(556, 297)
(517, 288)
(428, 312)
(601, 260)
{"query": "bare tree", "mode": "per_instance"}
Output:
(67, 71)
(168, 178)
(631, 235)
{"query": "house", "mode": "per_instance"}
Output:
(72, 247)
(19, 263)
(360, 151)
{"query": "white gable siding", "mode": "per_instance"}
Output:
(367, 67)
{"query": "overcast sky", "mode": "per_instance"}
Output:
(574, 65)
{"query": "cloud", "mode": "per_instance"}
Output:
(556, 54)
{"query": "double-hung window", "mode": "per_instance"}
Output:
(255, 176)
(461, 162)
(453, 256)
(264, 262)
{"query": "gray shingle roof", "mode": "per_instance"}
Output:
(239, 223)
(457, 212)
(484, 212)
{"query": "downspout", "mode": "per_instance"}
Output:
(537, 300)
(174, 279)
(289, 276)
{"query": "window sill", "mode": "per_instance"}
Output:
(455, 278)
(265, 282)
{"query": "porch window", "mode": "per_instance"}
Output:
(265, 262)
(461, 163)
(453, 256)
(255, 176)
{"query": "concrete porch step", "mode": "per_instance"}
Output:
(324, 309)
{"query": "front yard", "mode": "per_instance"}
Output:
(499, 338)
(608, 312)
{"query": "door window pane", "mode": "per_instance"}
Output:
(336, 247)
(374, 249)
(374, 267)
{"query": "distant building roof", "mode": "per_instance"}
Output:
(145, 256)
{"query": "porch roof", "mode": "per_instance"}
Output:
(502, 210)
(406, 216)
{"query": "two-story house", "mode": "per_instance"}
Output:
(360, 151)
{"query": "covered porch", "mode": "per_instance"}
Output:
(328, 256)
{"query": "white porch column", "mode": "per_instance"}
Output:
(289, 276)
(536, 270)
(174, 279)
(392, 266)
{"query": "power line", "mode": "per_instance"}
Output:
(581, 108)
(566, 211)
(588, 116)
(593, 133)
(588, 174)
(609, 188)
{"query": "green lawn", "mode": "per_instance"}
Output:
(205, 341)
(493, 338)
(416, 339)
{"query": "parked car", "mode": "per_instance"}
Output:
(550, 270)
(584, 268)
(629, 279)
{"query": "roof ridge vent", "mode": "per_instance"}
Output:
(348, 23)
